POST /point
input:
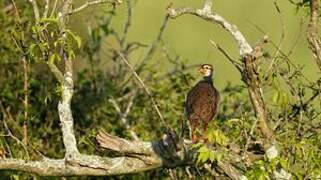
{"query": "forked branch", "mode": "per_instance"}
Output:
(248, 55)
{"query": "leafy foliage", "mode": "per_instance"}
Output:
(291, 98)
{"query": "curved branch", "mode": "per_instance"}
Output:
(248, 55)
(206, 14)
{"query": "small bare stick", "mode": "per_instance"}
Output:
(143, 86)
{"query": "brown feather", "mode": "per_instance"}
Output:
(202, 103)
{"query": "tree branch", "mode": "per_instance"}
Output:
(35, 9)
(248, 55)
(144, 87)
(206, 14)
(57, 73)
(98, 166)
(123, 115)
(152, 47)
(90, 3)
(312, 31)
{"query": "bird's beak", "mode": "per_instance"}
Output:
(200, 70)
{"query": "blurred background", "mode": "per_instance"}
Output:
(105, 89)
(189, 37)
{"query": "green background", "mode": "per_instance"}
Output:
(189, 36)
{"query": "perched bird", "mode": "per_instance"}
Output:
(202, 102)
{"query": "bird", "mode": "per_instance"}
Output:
(202, 103)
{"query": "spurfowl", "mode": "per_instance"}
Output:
(202, 102)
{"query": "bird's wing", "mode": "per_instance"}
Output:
(192, 97)
(215, 102)
(202, 102)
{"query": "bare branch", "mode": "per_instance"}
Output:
(123, 146)
(45, 13)
(144, 87)
(99, 166)
(312, 32)
(67, 85)
(154, 44)
(248, 55)
(237, 65)
(26, 98)
(54, 8)
(90, 3)
(254, 87)
(128, 22)
(282, 38)
(123, 115)
(35, 9)
(206, 14)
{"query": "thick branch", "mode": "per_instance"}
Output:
(140, 156)
(312, 32)
(253, 83)
(249, 72)
(64, 106)
(136, 156)
(80, 166)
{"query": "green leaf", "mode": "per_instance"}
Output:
(75, 37)
(206, 154)
(32, 50)
(283, 163)
(54, 57)
(217, 137)
(203, 155)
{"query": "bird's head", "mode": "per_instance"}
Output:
(206, 70)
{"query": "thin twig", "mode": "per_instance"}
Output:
(54, 7)
(9, 133)
(297, 39)
(278, 49)
(128, 22)
(235, 63)
(45, 13)
(144, 87)
(283, 29)
(35, 9)
(249, 137)
(284, 55)
(154, 44)
(90, 3)
(123, 115)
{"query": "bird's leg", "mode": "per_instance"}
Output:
(194, 136)
(194, 131)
